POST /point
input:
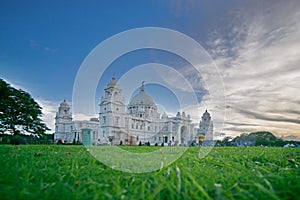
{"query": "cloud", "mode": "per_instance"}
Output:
(256, 48)
(35, 45)
(260, 68)
(180, 7)
(269, 117)
(49, 109)
(290, 137)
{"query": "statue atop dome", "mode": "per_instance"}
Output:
(142, 87)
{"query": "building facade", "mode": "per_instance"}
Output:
(206, 126)
(64, 123)
(69, 130)
(137, 122)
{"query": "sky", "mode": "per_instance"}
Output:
(255, 45)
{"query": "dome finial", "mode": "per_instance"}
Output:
(142, 87)
(64, 103)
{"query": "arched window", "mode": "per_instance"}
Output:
(115, 95)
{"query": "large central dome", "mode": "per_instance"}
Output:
(142, 98)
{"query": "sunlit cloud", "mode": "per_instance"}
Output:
(256, 48)
(49, 109)
(259, 61)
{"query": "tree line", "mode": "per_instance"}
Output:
(260, 138)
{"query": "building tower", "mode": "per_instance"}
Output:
(112, 113)
(63, 123)
(206, 126)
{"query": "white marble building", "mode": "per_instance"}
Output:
(206, 126)
(68, 130)
(64, 125)
(137, 122)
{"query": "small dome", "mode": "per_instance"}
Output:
(142, 98)
(164, 116)
(113, 83)
(206, 114)
(64, 104)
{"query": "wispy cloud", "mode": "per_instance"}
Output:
(259, 58)
(49, 109)
(35, 45)
(256, 47)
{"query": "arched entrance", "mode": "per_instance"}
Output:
(183, 135)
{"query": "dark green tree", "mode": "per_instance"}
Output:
(226, 141)
(19, 112)
(264, 138)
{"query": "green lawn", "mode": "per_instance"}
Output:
(71, 172)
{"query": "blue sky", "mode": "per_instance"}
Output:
(255, 44)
